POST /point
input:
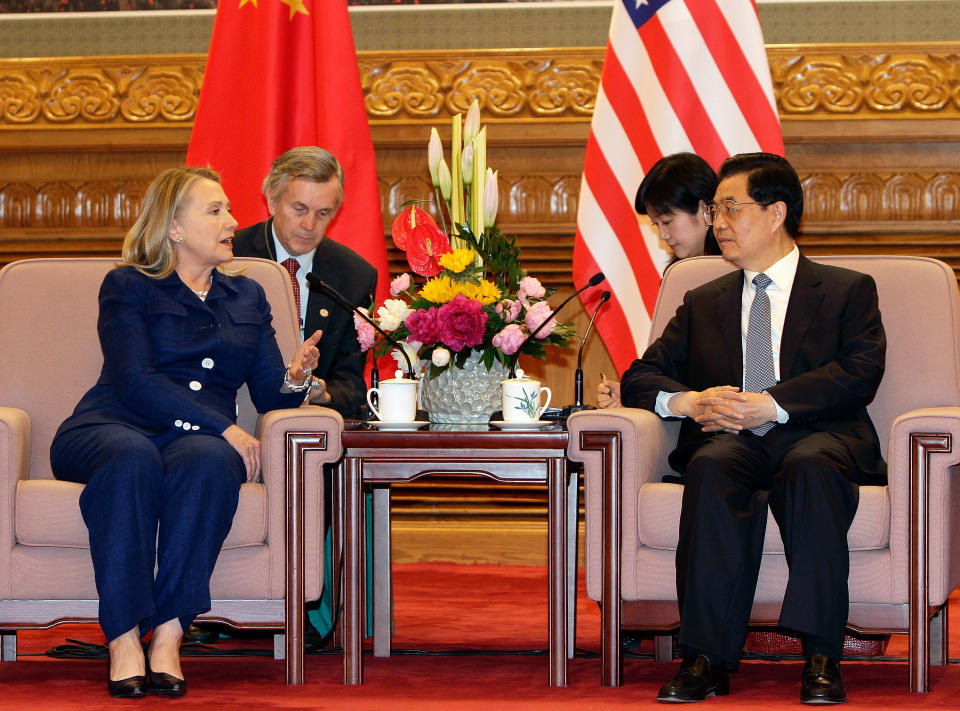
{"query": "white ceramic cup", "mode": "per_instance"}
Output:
(520, 399)
(397, 400)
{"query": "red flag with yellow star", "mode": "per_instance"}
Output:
(283, 73)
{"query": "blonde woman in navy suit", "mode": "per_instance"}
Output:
(155, 441)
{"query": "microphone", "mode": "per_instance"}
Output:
(343, 303)
(578, 376)
(594, 280)
(374, 368)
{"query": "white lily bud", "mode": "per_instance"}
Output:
(471, 126)
(443, 175)
(491, 197)
(434, 155)
(466, 164)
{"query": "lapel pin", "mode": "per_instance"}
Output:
(324, 313)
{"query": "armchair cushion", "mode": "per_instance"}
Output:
(47, 513)
(658, 511)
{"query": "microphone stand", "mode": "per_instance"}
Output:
(343, 303)
(374, 368)
(578, 375)
(594, 280)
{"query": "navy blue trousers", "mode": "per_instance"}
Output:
(810, 482)
(157, 511)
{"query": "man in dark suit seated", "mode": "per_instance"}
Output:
(771, 369)
(304, 190)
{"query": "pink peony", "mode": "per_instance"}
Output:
(365, 333)
(400, 284)
(530, 286)
(536, 315)
(462, 323)
(509, 339)
(424, 326)
(509, 309)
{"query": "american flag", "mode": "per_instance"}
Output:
(678, 75)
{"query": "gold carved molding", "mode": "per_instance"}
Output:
(99, 91)
(541, 204)
(855, 81)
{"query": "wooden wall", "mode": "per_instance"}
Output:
(874, 131)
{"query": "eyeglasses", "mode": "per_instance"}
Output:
(728, 208)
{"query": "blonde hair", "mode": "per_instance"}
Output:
(147, 246)
(307, 162)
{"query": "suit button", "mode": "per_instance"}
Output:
(195, 385)
(178, 423)
(186, 425)
(207, 363)
(194, 427)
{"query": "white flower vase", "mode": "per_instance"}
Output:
(467, 395)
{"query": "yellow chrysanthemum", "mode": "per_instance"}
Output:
(439, 290)
(486, 292)
(457, 260)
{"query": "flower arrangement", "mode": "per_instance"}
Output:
(476, 298)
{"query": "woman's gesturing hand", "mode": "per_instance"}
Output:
(248, 447)
(305, 358)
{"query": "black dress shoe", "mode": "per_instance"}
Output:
(165, 684)
(695, 681)
(133, 687)
(822, 683)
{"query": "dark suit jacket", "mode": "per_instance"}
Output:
(341, 360)
(831, 357)
(172, 364)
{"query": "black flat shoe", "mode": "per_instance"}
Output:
(822, 682)
(133, 687)
(695, 681)
(165, 684)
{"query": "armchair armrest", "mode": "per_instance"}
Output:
(14, 467)
(318, 431)
(644, 441)
(942, 467)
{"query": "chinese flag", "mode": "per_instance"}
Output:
(283, 73)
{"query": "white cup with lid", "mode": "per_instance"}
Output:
(521, 399)
(396, 399)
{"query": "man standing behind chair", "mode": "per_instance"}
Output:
(771, 369)
(304, 190)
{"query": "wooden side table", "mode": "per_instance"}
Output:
(382, 458)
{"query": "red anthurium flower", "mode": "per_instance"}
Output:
(426, 243)
(406, 222)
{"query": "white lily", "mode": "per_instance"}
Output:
(471, 126)
(434, 156)
(491, 197)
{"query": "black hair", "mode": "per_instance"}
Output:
(770, 179)
(676, 182)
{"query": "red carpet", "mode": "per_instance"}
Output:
(443, 607)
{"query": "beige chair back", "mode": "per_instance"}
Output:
(920, 306)
(45, 371)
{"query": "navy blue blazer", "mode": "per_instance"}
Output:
(173, 364)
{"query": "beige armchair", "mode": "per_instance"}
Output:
(50, 355)
(903, 564)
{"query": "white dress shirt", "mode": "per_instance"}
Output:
(781, 273)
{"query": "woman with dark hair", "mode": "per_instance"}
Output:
(674, 195)
(156, 441)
